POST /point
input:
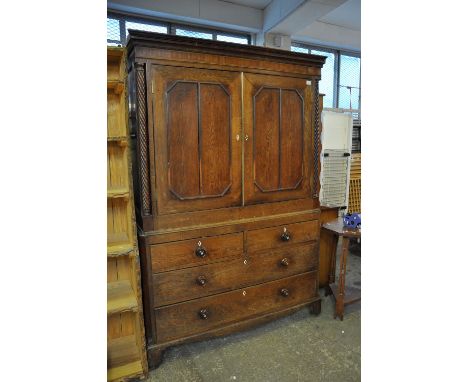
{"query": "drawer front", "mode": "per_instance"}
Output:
(185, 319)
(188, 253)
(195, 282)
(282, 236)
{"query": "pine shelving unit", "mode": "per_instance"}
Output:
(120, 297)
(354, 202)
(126, 355)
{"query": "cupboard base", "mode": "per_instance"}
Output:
(155, 356)
(155, 352)
(316, 307)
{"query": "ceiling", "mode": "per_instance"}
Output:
(347, 15)
(339, 26)
(333, 23)
(257, 4)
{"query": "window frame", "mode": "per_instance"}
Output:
(112, 41)
(174, 28)
(123, 17)
(171, 27)
(350, 54)
(336, 69)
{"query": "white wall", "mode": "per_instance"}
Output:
(300, 20)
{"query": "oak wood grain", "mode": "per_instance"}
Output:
(215, 140)
(235, 215)
(291, 136)
(205, 158)
(280, 153)
(182, 254)
(195, 282)
(182, 140)
(271, 237)
(184, 319)
(253, 150)
(155, 350)
(266, 138)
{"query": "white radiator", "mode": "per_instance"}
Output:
(335, 158)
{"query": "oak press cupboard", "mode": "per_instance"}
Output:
(226, 170)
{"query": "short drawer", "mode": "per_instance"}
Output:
(281, 236)
(188, 318)
(186, 284)
(187, 253)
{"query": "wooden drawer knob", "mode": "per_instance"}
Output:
(203, 314)
(201, 252)
(284, 292)
(285, 236)
(201, 280)
(284, 262)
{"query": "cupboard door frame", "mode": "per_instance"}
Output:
(254, 84)
(164, 80)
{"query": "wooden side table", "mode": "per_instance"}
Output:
(327, 247)
(343, 295)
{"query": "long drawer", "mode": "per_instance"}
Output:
(187, 253)
(282, 236)
(184, 319)
(190, 283)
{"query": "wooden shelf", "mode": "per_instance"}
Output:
(115, 64)
(123, 358)
(120, 297)
(132, 369)
(117, 239)
(351, 294)
(116, 86)
(118, 192)
(117, 250)
(121, 141)
(118, 244)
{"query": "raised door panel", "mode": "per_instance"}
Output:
(278, 137)
(198, 156)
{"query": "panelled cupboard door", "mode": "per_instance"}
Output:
(196, 116)
(277, 138)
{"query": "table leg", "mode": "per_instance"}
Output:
(339, 306)
(331, 274)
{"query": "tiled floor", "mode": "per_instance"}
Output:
(300, 347)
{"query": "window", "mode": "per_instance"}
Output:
(113, 31)
(341, 76)
(119, 24)
(237, 40)
(299, 49)
(350, 80)
(192, 33)
(327, 84)
(144, 27)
